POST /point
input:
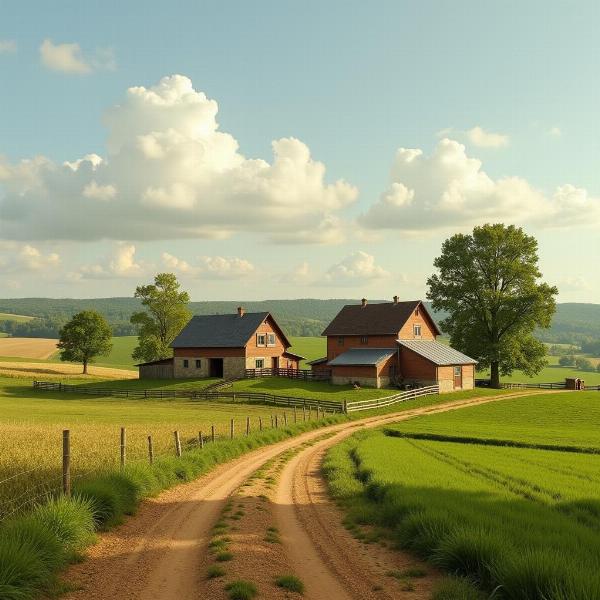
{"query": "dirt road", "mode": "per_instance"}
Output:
(163, 552)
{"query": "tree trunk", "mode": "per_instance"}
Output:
(85, 367)
(495, 375)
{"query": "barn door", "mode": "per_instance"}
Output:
(457, 378)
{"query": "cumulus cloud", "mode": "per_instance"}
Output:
(210, 267)
(121, 263)
(555, 131)
(486, 139)
(16, 258)
(8, 46)
(358, 266)
(301, 273)
(450, 189)
(171, 173)
(69, 58)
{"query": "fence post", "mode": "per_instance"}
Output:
(304, 411)
(271, 421)
(346, 406)
(150, 450)
(232, 429)
(200, 440)
(177, 443)
(212, 433)
(318, 409)
(260, 423)
(309, 412)
(123, 447)
(247, 425)
(66, 463)
(285, 419)
(276, 422)
(295, 416)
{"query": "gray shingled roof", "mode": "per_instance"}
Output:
(219, 331)
(381, 318)
(362, 357)
(438, 354)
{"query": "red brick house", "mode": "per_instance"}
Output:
(225, 346)
(392, 342)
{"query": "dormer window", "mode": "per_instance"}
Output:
(417, 331)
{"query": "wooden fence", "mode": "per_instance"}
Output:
(251, 397)
(389, 400)
(303, 374)
(557, 385)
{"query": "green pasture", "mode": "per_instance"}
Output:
(561, 418)
(17, 318)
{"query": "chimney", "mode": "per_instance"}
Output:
(241, 311)
(395, 299)
(363, 302)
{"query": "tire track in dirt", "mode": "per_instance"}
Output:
(161, 551)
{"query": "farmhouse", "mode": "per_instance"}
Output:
(225, 346)
(392, 343)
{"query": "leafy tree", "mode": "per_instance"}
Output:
(566, 360)
(84, 337)
(488, 282)
(583, 364)
(165, 316)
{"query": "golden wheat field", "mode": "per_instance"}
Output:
(39, 348)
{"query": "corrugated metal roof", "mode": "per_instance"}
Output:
(219, 331)
(382, 318)
(362, 357)
(437, 353)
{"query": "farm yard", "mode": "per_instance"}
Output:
(521, 521)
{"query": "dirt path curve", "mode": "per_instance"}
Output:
(159, 553)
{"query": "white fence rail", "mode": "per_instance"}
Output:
(389, 400)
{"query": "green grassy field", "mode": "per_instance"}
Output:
(570, 419)
(522, 522)
(17, 318)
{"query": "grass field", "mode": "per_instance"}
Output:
(522, 522)
(17, 318)
(38, 348)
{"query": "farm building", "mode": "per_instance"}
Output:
(225, 346)
(389, 343)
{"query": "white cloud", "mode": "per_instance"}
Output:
(69, 58)
(175, 175)
(449, 189)
(210, 267)
(356, 268)
(120, 264)
(486, 139)
(554, 131)
(8, 46)
(16, 258)
(301, 273)
(99, 192)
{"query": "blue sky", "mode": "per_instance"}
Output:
(513, 85)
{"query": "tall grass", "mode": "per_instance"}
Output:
(474, 518)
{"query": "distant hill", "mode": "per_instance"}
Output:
(574, 323)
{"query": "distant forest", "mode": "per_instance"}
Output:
(574, 323)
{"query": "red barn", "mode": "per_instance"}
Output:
(389, 343)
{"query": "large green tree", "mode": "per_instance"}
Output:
(86, 336)
(489, 284)
(165, 316)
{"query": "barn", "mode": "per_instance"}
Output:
(392, 343)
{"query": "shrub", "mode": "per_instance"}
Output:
(224, 556)
(290, 583)
(241, 590)
(215, 571)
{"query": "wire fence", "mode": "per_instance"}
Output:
(22, 490)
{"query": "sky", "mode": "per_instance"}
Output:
(292, 149)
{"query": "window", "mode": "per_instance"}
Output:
(457, 371)
(341, 340)
(364, 339)
(260, 363)
(417, 330)
(271, 339)
(198, 363)
(261, 339)
(186, 363)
